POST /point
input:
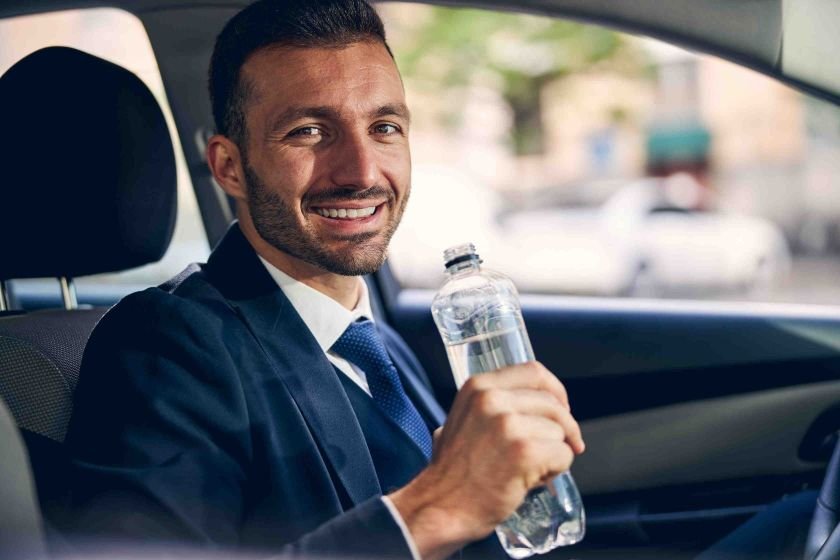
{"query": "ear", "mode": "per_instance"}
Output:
(225, 162)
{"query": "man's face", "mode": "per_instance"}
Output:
(327, 162)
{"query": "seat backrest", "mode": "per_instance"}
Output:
(43, 351)
(40, 355)
(21, 530)
(91, 188)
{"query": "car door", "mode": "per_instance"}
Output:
(695, 416)
(697, 413)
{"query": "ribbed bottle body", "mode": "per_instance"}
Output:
(479, 317)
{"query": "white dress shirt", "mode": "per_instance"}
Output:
(327, 320)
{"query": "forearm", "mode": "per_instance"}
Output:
(438, 528)
(366, 531)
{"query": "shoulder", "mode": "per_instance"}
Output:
(178, 338)
(187, 304)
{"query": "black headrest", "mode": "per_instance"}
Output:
(88, 170)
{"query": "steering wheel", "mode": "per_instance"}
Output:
(824, 535)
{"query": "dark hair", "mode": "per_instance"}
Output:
(292, 23)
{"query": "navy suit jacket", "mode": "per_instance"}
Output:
(207, 412)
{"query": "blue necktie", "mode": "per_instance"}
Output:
(361, 345)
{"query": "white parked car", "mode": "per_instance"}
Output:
(645, 239)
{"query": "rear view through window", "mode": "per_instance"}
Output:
(588, 162)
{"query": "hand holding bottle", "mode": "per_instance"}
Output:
(478, 315)
(506, 434)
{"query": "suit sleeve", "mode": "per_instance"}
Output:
(160, 438)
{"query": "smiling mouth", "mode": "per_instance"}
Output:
(346, 213)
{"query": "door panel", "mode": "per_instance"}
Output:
(618, 356)
(694, 414)
(758, 434)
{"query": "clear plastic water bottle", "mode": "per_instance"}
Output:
(480, 320)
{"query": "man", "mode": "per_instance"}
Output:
(251, 401)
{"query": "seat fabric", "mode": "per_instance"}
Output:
(42, 352)
(92, 189)
(21, 530)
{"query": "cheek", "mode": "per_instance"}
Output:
(397, 168)
(294, 174)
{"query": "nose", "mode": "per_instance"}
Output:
(355, 163)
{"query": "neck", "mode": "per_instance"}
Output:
(343, 289)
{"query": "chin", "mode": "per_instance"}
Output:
(356, 262)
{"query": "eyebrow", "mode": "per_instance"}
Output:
(324, 112)
(393, 109)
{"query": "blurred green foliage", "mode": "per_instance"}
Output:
(449, 48)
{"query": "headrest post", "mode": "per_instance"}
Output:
(68, 292)
(4, 298)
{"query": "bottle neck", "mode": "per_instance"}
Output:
(472, 264)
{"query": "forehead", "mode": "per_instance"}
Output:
(357, 76)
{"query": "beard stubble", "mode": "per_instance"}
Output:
(276, 222)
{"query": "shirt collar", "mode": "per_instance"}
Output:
(326, 318)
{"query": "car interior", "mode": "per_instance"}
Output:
(697, 415)
(104, 230)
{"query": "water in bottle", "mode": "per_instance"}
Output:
(478, 315)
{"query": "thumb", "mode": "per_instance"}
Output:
(436, 440)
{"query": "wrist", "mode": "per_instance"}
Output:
(437, 524)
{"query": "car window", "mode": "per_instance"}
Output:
(589, 162)
(119, 37)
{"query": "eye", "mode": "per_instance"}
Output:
(306, 132)
(386, 128)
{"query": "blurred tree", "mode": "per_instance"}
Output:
(451, 47)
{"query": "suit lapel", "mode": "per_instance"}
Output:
(419, 393)
(298, 360)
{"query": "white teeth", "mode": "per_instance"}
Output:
(346, 213)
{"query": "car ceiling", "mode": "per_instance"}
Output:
(796, 40)
(792, 39)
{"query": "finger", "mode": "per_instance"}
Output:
(574, 436)
(555, 386)
(517, 427)
(560, 461)
(538, 404)
(531, 401)
(436, 440)
(545, 461)
(461, 406)
(531, 375)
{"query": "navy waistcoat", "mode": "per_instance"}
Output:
(396, 458)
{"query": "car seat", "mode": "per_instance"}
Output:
(21, 530)
(89, 186)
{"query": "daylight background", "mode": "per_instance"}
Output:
(579, 161)
(585, 161)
